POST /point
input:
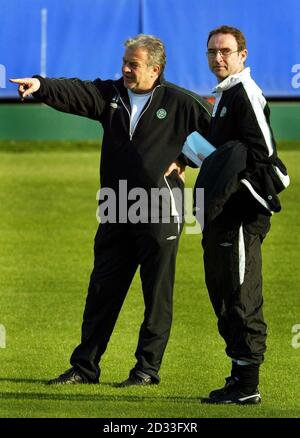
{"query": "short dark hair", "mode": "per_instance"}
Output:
(238, 35)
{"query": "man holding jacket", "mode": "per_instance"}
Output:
(241, 180)
(146, 121)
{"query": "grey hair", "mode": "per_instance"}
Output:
(153, 45)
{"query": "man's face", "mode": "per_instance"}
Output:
(138, 76)
(232, 60)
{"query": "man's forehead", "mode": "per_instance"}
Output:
(138, 54)
(223, 38)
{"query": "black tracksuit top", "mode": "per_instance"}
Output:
(168, 117)
(242, 115)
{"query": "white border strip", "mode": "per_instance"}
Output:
(174, 211)
(258, 103)
(43, 62)
(242, 255)
(256, 195)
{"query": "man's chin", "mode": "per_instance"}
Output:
(220, 73)
(128, 84)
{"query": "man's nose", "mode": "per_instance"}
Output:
(219, 56)
(126, 68)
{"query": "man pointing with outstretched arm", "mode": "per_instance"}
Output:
(145, 121)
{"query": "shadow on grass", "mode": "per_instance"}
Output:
(5, 379)
(43, 381)
(93, 397)
(85, 397)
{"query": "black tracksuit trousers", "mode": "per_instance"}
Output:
(119, 250)
(233, 265)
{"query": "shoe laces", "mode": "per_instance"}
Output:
(231, 381)
(68, 373)
(141, 377)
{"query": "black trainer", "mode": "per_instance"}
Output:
(230, 381)
(69, 377)
(232, 393)
(138, 378)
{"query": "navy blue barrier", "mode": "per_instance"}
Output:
(65, 38)
(271, 28)
(84, 38)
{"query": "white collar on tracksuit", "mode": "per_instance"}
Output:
(232, 80)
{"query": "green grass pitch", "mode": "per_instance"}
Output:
(48, 206)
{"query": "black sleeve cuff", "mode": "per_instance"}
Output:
(185, 161)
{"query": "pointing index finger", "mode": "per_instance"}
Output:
(20, 81)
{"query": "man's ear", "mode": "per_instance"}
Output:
(244, 54)
(156, 70)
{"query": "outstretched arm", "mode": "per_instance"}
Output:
(72, 96)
